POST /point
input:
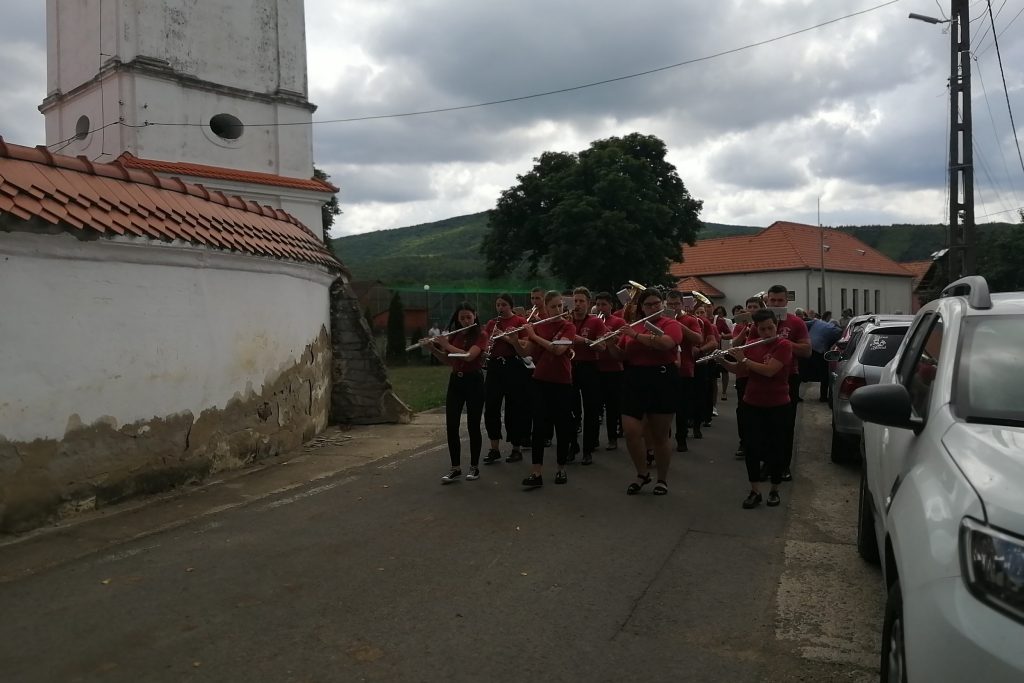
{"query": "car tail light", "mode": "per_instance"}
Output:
(850, 385)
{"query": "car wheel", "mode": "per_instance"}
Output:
(894, 654)
(867, 545)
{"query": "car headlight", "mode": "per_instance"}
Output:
(993, 566)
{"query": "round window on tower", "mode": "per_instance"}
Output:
(227, 126)
(82, 128)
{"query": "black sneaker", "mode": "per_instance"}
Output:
(707, 423)
(697, 434)
(681, 446)
(741, 452)
(787, 476)
(453, 475)
(752, 500)
(474, 474)
(515, 456)
(613, 445)
(773, 499)
(533, 481)
(588, 459)
(493, 456)
(561, 477)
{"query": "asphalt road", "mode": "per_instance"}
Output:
(379, 573)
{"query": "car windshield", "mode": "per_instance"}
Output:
(881, 345)
(990, 371)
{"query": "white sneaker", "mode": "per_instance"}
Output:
(454, 475)
(474, 473)
(714, 411)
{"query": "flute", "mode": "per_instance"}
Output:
(615, 333)
(720, 353)
(440, 336)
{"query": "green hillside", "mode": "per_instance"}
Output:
(447, 253)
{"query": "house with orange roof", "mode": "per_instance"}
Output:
(823, 269)
(924, 273)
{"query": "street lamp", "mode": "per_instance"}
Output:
(426, 299)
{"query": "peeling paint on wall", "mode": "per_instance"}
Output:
(102, 463)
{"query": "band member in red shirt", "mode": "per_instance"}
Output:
(704, 378)
(585, 380)
(610, 372)
(739, 337)
(794, 329)
(693, 337)
(721, 322)
(549, 344)
(465, 387)
(767, 399)
(650, 388)
(506, 383)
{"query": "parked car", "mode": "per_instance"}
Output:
(850, 334)
(871, 346)
(942, 490)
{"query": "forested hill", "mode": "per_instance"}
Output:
(447, 252)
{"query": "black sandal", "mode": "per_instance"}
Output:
(661, 488)
(641, 482)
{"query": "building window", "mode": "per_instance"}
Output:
(82, 128)
(821, 300)
(227, 126)
(842, 300)
(878, 301)
(867, 301)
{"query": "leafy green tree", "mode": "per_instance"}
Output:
(615, 211)
(1000, 258)
(328, 210)
(396, 332)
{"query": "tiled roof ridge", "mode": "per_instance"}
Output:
(118, 171)
(786, 234)
(113, 199)
(206, 170)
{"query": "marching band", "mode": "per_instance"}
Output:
(646, 370)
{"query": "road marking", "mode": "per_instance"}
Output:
(395, 463)
(125, 554)
(316, 490)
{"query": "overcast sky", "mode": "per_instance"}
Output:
(855, 112)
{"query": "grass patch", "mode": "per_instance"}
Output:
(422, 387)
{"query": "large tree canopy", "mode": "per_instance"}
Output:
(616, 211)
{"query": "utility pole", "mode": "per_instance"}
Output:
(960, 239)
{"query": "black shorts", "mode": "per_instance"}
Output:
(650, 389)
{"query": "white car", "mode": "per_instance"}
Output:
(942, 490)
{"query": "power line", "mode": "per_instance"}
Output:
(1013, 127)
(1008, 24)
(992, 120)
(559, 91)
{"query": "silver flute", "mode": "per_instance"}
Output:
(724, 353)
(418, 344)
(616, 333)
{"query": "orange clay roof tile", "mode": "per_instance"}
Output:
(118, 198)
(784, 246)
(130, 162)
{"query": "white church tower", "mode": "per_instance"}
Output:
(212, 91)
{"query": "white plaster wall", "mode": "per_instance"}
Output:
(133, 330)
(894, 291)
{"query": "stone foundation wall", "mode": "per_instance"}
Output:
(361, 392)
(102, 463)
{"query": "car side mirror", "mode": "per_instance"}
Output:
(885, 404)
(833, 356)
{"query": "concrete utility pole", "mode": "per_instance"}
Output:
(960, 237)
(961, 148)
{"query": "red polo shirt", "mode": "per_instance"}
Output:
(549, 367)
(686, 347)
(495, 326)
(792, 328)
(463, 341)
(767, 392)
(605, 362)
(640, 354)
(590, 327)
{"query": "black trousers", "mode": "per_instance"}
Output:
(552, 409)
(464, 391)
(703, 394)
(741, 411)
(794, 394)
(611, 391)
(684, 407)
(506, 384)
(767, 434)
(586, 388)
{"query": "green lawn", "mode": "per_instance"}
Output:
(422, 387)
